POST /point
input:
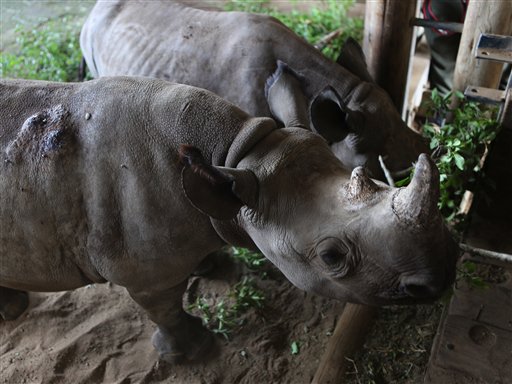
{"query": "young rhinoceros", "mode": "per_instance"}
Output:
(134, 181)
(233, 54)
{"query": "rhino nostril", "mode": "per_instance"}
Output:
(420, 286)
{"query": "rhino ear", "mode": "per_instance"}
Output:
(285, 97)
(215, 191)
(329, 115)
(352, 58)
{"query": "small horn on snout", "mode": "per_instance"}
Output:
(416, 204)
(361, 187)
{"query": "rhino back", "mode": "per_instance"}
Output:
(90, 181)
(229, 53)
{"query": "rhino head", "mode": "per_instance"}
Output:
(353, 114)
(337, 234)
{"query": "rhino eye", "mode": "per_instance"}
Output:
(333, 258)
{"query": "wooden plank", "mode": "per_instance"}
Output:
(474, 340)
(490, 306)
(347, 338)
(482, 17)
(472, 352)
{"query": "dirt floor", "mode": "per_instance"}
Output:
(97, 334)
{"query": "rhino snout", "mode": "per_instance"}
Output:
(423, 286)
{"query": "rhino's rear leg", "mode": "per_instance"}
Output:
(12, 303)
(179, 336)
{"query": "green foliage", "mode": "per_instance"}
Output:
(313, 24)
(252, 260)
(49, 52)
(226, 315)
(469, 273)
(462, 143)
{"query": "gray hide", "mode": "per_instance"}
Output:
(97, 185)
(233, 54)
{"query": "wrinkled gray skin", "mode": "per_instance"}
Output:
(93, 190)
(233, 54)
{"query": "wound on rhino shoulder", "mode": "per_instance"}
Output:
(44, 135)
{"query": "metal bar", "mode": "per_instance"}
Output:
(446, 25)
(494, 47)
(484, 95)
(502, 257)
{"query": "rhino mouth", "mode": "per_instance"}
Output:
(398, 296)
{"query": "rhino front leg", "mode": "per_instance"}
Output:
(12, 303)
(179, 337)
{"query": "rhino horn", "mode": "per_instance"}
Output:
(361, 187)
(416, 205)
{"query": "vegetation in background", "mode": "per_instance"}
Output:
(49, 52)
(314, 24)
(461, 144)
(468, 273)
(252, 260)
(226, 315)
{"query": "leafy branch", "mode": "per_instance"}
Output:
(459, 146)
(226, 315)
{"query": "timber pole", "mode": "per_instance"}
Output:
(494, 17)
(387, 45)
(348, 336)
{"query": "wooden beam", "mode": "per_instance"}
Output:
(348, 336)
(387, 45)
(494, 17)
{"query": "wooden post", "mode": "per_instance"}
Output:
(387, 45)
(493, 17)
(347, 338)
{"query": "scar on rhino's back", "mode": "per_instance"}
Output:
(43, 135)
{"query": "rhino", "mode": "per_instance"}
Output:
(260, 65)
(133, 181)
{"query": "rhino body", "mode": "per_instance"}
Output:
(98, 185)
(234, 54)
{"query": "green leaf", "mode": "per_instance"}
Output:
(295, 348)
(459, 94)
(459, 161)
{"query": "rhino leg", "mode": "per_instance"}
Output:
(179, 337)
(12, 303)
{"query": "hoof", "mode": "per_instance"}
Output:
(183, 348)
(13, 304)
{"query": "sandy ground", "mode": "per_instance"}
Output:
(97, 334)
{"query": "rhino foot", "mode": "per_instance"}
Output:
(188, 343)
(12, 303)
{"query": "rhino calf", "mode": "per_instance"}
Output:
(257, 63)
(134, 181)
